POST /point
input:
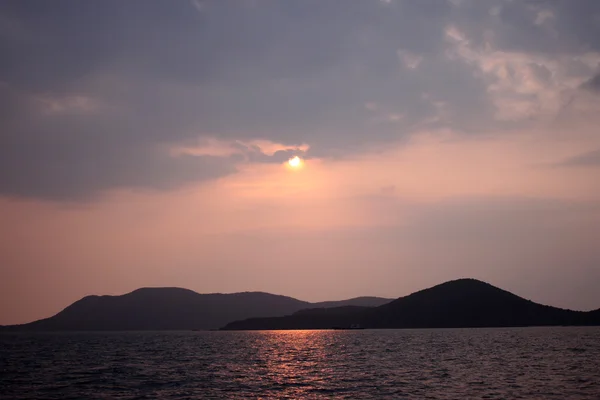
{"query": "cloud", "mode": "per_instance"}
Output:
(84, 168)
(593, 84)
(587, 159)
(522, 85)
(198, 5)
(67, 105)
(214, 147)
(410, 60)
(95, 96)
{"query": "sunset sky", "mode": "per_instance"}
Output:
(145, 143)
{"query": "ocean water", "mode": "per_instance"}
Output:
(518, 363)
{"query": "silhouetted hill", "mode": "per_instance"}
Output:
(595, 316)
(467, 303)
(364, 301)
(173, 309)
(459, 303)
(325, 318)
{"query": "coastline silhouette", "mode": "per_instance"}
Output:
(174, 309)
(462, 303)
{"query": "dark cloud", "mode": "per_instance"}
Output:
(78, 168)
(578, 20)
(160, 73)
(519, 25)
(593, 84)
(588, 159)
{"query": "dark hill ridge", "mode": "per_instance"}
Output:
(175, 309)
(363, 301)
(467, 303)
(454, 304)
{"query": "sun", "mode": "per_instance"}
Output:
(295, 162)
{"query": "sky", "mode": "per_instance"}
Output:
(144, 143)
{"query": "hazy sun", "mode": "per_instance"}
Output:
(295, 162)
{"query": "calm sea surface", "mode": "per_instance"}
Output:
(529, 363)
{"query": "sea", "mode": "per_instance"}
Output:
(514, 363)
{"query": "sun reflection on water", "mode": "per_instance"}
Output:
(296, 358)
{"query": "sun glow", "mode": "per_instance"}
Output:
(295, 162)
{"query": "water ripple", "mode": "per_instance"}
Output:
(520, 363)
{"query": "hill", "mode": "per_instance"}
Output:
(174, 309)
(364, 301)
(459, 303)
(327, 318)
